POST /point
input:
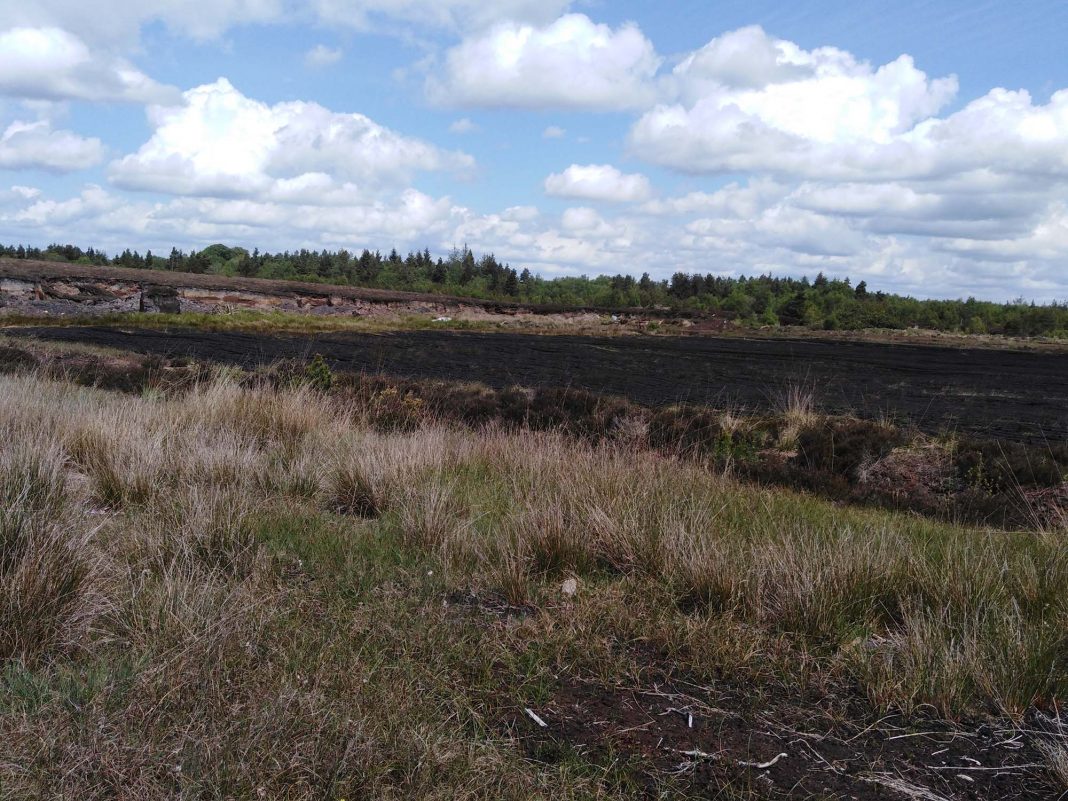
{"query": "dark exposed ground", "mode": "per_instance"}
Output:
(713, 740)
(995, 393)
(723, 740)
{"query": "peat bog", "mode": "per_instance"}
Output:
(998, 394)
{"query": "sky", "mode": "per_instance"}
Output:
(920, 146)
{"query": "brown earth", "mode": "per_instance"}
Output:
(997, 394)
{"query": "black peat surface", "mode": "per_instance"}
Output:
(1002, 394)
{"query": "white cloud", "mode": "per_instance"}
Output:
(553, 132)
(52, 64)
(30, 145)
(853, 169)
(1046, 241)
(119, 22)
(18, 195)
(221, 143)
(733, 200)
(521, 213)
(743, 59)
(463, 126)
(110, 22)
(112, 221)
(323, 56)
(751, 102)
(571, 63)
(455, 15)
(580, 240)
(780, 236)
(601, 182)
(747, 102)
(857, 170)
(38, 212)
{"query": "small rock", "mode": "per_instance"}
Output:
(569, 587)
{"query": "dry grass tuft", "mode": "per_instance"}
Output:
(247, 592)
(1057, 761)
(51, 573)
(797, 407)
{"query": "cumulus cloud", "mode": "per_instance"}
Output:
(747, 101)
(601, 182)
(853, 169)
(857, 169)
(38, 211)
(113, 221)
(35, 145)
(220, 143)
(751, 103)
(52, 64)
(553, 132)
(1046, 241)
(571, 63)
(716, 236)
(323, 56)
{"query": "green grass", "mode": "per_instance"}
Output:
(234, 633)
(263, 322)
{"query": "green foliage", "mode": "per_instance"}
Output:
(830, 304)
(318, 374)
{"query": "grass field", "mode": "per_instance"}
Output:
(285, 322)
(242, 592)
(257, 322)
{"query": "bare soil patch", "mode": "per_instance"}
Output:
(711, 740)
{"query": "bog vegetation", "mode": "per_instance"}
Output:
(757, 301)
(265, 591)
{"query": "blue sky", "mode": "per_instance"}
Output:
(921, 146)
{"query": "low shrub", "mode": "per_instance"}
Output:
(16, 360)
(318, 374)
(705, 433)
(843, 446)
(994, 467)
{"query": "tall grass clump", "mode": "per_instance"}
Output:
(50, 572)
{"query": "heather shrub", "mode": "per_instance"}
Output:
(843, 446)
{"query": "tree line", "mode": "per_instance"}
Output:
(764, 300)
